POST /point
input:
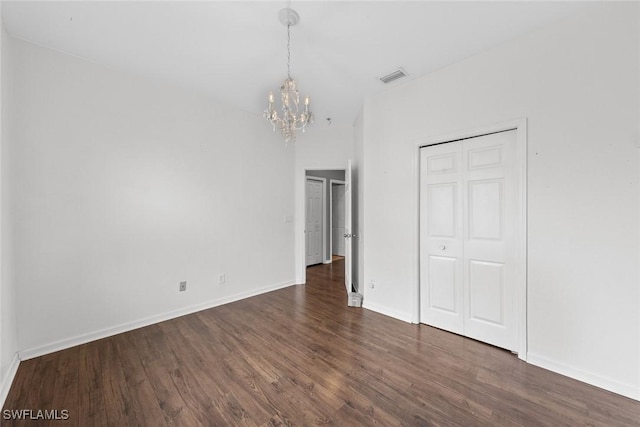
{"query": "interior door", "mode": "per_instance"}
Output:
(337, 216)
(441, 237)
(313, 214)
(489, 245)
(348, 230)
(468, 230)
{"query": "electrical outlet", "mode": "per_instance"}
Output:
(183, 286)
(222, 279)
(372, 284)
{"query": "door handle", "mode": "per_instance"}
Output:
(443, 247)
(349, 235)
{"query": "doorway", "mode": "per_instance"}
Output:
(320, 188)
(336, 208)
(472, 238)
(336, 220)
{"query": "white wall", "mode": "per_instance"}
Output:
(320, 147)
(577, 84)
(124, 188)
(8, 328)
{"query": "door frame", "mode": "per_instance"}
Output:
(520, 126)
(324, 215)
(300, 265)
(331, 182)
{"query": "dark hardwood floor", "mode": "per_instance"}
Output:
(300, 356)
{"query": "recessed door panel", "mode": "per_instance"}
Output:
(442, 204)
(485, 209)
(442, 277)
(439, 164)
(486, 292)
(487, 157)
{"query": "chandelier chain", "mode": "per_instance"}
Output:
(289, 50)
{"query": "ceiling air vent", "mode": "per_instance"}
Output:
(394, 75)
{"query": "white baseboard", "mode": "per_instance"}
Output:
(405, 317)
(624, 389)
(7, 380)
(129, 326)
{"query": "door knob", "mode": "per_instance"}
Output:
(443, 247)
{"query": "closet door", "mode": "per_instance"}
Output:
(490, 239)
(313, 230)
(441, 237)
(468, 238)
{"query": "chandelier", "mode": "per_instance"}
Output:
(290, 120)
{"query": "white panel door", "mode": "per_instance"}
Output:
(490, 196)
(348, 229)
(313, 230)
(441, 231)
(337, 215)
(468, 228)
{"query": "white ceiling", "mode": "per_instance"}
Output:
(236, 51)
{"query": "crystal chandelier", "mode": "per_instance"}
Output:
(290, 119)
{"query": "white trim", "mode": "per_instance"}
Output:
(415, 263)
(405, 317)
(522, 136)
(129, 326)
(331, 183)
(625, 389)
(330, 222)
(520, 125)
(5, 383)
(324, 215)
(300, 217)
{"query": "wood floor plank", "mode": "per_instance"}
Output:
(91, 396)
(115, 388)
(66, 386)
(300, 356)
(145, 406)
